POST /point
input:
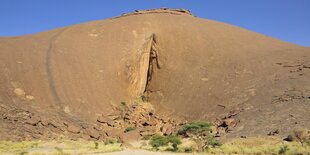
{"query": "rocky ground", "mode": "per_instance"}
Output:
(125, 123)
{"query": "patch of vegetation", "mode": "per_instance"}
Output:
(96, 145)
(197, 127)
(283, 149)
(59, 150)
(147, 137)
(187, 149)
(199, 131)
(24, 153)
(130, 128)
(123, 103)
(260, 145)
(17, 147)
(144, 98)
(57, 147)
(111, 141)
(157, 141)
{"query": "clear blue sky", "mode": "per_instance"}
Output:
(287, 20)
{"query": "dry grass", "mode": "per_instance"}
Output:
(257, 145)
(260, 145)
(57, 147)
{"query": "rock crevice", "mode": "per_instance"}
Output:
(145, 67)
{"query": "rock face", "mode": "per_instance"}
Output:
(188, 68)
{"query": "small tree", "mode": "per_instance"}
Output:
(199, 131)
(157, 141)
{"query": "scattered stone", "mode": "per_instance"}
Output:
(73, 128)
(213, 130)
(167, 129)
(93, 133)
(234, 112)
(204, 79)
(54, 123)
(98, 127)
(290, 138)
(33, 121)
(113, 117)
(102, 119)
(44, 122)
(147, 133)
(229, 122)
(19, 92)
(29, 97)
(114, 124)
(85, 136)
(272, 133)
(221, 130)
(114, 132)
(147, 123)
(67, 110)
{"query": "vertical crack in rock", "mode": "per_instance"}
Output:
(153, 61)
(145, 67)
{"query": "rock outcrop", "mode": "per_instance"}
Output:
(83, 81)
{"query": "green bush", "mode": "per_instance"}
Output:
(197, 127)
(213, 142)
(157, 141)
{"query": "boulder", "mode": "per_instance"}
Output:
(272, 133)
(73, 129)
(130, 136)
(147, 133)
(103, 119)
(93, 133)
(113, 117)
(167, 129)
(114, 132)
(290, 138)
(148, 123)
(33, 121)
(229, 122)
